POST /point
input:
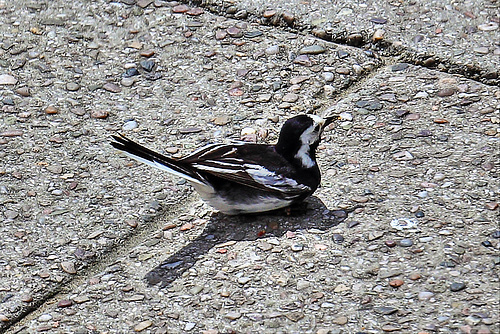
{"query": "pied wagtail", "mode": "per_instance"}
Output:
(242, 178)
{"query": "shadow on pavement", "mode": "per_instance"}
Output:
(222, 228)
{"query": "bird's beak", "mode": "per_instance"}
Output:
(330, 119)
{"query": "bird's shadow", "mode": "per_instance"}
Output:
(222, 228)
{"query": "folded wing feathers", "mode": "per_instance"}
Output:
(275, 181)
(252, 175)
(210, 151)
(199, 153)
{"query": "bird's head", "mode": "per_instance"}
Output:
(300, 136)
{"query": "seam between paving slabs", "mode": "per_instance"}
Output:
(360, 39)
(107, 258)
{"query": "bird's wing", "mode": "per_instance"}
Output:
(257, 166)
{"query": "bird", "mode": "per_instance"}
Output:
(247, 178)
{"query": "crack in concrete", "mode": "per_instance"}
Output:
(359, 39)
(32, 308)
(106, 258)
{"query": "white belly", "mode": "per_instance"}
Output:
(255, 204)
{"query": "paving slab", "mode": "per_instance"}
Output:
(456, 37)
(174, 81)
(419, 253)
(83, 231)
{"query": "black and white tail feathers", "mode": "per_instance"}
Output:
(154, 159)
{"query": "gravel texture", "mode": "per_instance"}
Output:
(402, 236)
(452, 36)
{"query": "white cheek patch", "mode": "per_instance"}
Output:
(307, 138)
(317, 119)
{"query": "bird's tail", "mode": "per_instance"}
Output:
(152, 158)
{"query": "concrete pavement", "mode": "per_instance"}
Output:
(82, 227)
